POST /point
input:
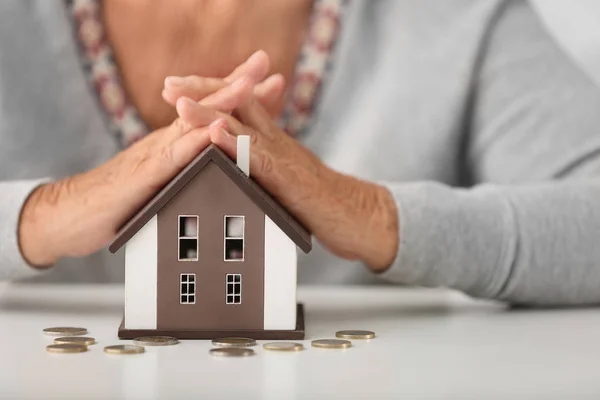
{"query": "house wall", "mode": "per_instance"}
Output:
(280, 278)
(140, 278)
(211, 195)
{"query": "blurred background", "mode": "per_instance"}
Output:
(576, 26)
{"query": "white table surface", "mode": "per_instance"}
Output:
(430, 344)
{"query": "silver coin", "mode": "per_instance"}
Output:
(231, 352)
(65, 331)
(155, 341)
(331, 344)
(234, 342)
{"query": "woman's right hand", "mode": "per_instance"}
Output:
(79, 215)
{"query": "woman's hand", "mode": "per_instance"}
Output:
(206, 90)
(354, 219)
(79, 215)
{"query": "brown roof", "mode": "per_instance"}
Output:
(254, 191)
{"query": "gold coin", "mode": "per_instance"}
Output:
(66, 348)
(231, 352)
(234, 342)
(283, 346)
(65, 331)
(124, 349)
(83, 340)
(355, 334)
(155, 341)
(331, 343)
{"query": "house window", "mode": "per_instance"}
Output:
(234, 238)
(234, 289)
(187, 288)
(188, 238)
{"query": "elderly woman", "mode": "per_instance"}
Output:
(422, 142)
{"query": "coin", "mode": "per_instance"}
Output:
(231, 352)
(66, 348)
(234, 342)
(83, 340)
(331, 343)
(124, 349)
(65, 331)
(283, 346)
(155, 341)
(355, 334)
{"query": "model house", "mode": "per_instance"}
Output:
(212, 254)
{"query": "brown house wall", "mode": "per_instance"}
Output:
(211, 195)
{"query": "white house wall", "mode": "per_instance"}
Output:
(141, 253)
(280, 279)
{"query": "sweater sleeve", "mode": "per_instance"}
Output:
(14, 195)
(526, 231)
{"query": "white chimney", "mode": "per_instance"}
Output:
(243, 153)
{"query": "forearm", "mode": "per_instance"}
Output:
(534, 244)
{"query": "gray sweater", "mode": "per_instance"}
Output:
(486, 134)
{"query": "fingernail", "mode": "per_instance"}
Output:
(226, 133)
(173, 81)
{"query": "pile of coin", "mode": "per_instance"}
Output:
(138, 345)
(341, 342)
(239, 347)
(70, 340)
(233, 347)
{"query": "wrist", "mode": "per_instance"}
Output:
(365, 218)
(382, 249)
(36, 240)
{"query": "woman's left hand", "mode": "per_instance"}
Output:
(353, 218)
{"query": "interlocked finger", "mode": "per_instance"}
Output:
(228, 98)
(196, 115)
(194, 87)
